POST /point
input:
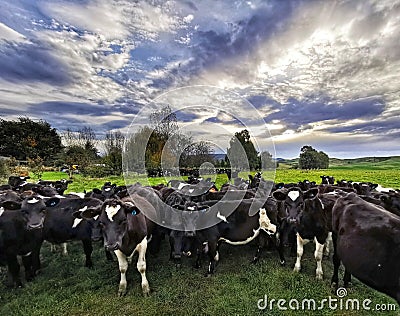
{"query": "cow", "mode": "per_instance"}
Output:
(55, 218)
(367, 241)
(126, 230)
(238, 228)
(17, 240)
(306, 213)
(327, 179)
(16, 181)
(60, 185)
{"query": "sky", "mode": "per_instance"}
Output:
(294, 73)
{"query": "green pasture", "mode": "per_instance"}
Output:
(65, 287)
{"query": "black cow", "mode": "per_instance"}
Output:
(59, 185)
(367, 240)
(126, 230)
(312, 222)
(17, 240)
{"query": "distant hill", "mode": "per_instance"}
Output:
(355, 163)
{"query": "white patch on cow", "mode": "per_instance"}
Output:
(216, 258)
(107, 189)
(265, 223)
(191, 208)
(220, 216)
(83, 209)
(1, 210)
(256, 232)
(33, 201)
(181, 185)
(322, 204)
(293, 195)
(130, 203)
(80, 194)
(381, 189)
(23, 183)
(96, 217)
(59, 196)
(191, 190)
(27, 254)
(76, 222)
(111, 211)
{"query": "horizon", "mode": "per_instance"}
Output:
(320, 73)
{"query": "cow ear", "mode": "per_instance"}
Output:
(77, 214)
(52, 202)
(374, 186)
(11, 205)
(97, 191)
(130, 208)
(310, 194)
(384, 198)
(279, 195)
(90, 212)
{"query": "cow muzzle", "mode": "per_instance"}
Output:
(292, 220)
(112, 247)
(35, 225)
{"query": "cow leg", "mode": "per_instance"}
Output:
(141, 265)
(109, 256)
(318, 254)
(261, 241)
(336, 264)
(28, 266)
(212, 255)
(64, 249)
(280, 247)
(88, 248)
(123, 266)
(327, 245)
(13, 268)
(346, 278)
(300, 245)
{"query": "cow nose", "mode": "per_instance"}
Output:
(112, 247)
(35, 226)
(189, 234)
(292, 220)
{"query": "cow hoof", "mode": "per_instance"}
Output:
(121, 290)
(178, 265)
(296, 269)
(319, 277)
(254, 261)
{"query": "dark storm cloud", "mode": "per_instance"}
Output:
(115, 124)
(377, 127)
(26, 62)
(296, 113)
(71, 108)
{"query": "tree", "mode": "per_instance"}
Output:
(267, 162)
(25, 138)
(312, 159)
(242, 153)
(113, 143)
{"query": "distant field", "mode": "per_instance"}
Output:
(65, 287)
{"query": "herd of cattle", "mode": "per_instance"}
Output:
(361, 219)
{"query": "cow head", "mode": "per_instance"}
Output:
(34, 210)
(293, 200)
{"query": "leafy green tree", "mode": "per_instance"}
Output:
(25, 138)
(242, 153)
(113, 146)
(312, 159)
(267, 162)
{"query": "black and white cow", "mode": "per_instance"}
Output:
(307, 214)
(126, 231)
(238, 228)
(55, 218)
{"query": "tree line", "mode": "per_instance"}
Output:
(159, 146)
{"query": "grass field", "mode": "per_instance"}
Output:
(65, 287)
